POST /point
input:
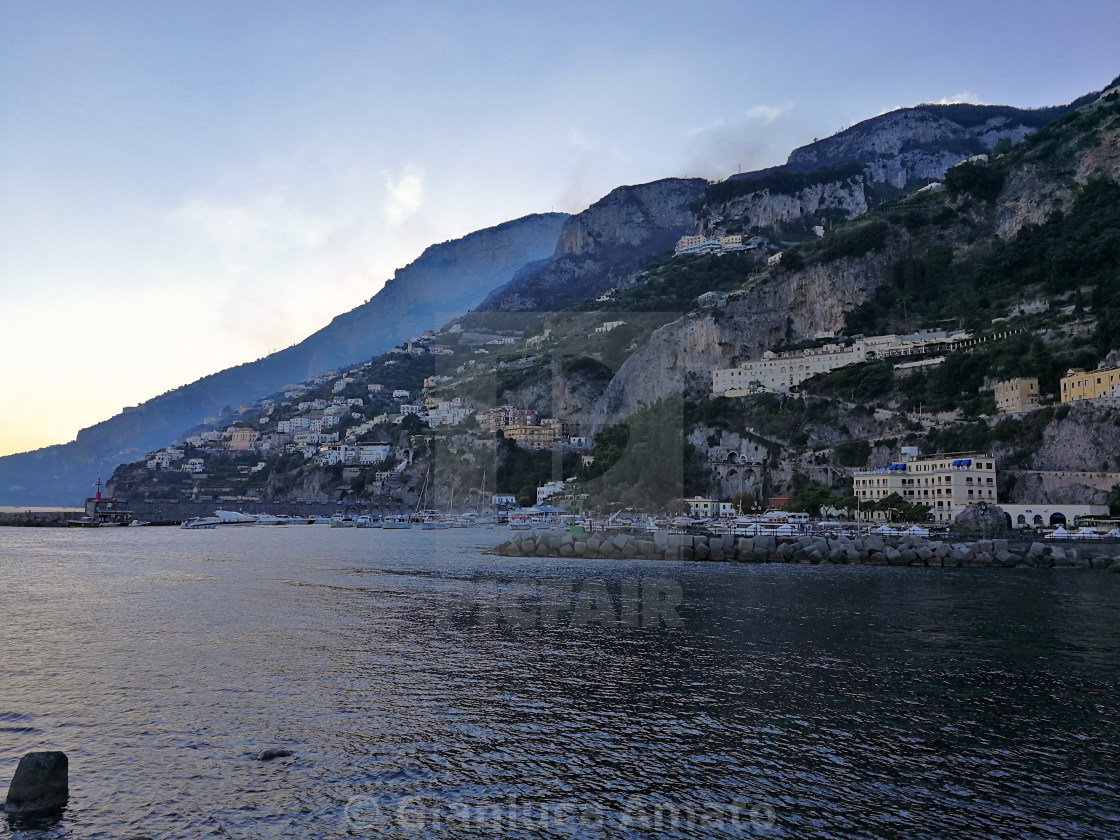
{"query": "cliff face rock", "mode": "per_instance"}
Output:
(628, 216)
(1041, 186)
(686, 351)
(903, 149)
(604, 244)
(1028, 198)
(767, 209)
(446, 279)
(1086, 439)
(921, 143)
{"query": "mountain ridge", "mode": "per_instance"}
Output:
(447, 278)
(615, 237)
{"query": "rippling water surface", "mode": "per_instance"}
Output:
(428, 690)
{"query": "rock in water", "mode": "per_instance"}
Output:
(40, 786)
(981, 519)
(268, 755)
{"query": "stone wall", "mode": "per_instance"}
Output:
(871, 550)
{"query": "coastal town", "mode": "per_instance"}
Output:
(794, 348)
(364, 432)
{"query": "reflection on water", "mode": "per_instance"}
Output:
(428, 690)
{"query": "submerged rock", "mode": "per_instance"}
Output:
(269, 755)
(40, 785)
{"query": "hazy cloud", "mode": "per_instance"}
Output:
(406, 193)
(965, 96)
(741, 144)
(768, 114)
(712, 126)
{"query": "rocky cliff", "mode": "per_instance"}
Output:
(447, 278)
(843, 198)
(920, 143)
(1043, 182)
(778, 304)
(604, 244)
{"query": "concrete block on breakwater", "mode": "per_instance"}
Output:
(811, 550)
(40, 786)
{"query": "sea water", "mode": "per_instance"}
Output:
(427, 689)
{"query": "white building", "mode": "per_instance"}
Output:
(317, 424)
(782, 371)
(295, 424)
(947, 483)
(448, 415)
(548, 490)
(164, 458)
(1049, 515)
(702, 508)
(312, 438)
(373, 453)
(607, 326)
(401, 394)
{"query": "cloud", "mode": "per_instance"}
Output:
(406, 193)
(965, 96)
(255, 227)
(768, 114)
(579, 140)
(712, 126)
(746, 141)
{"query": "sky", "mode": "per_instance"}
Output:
(188, 186)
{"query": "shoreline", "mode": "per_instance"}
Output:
(814, 550)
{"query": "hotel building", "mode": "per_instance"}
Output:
(947, 483)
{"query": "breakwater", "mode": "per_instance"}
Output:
(38, 518)
(812, 549)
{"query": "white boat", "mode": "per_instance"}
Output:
(234, 517)
(367, 521)
(269, 519)
(395, 522)
(340, 521)
(220, 517)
